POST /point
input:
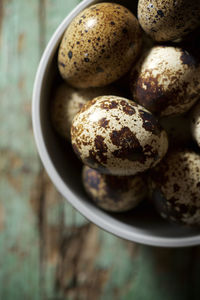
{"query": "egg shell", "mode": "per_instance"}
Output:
(195, 123)
(99, 45)
(168, 20)
(175, 187)
(114, 193)
(67, 101)
(166, 81)
(117, 136)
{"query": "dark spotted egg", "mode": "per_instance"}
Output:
(117, 136)
(175, 187)
(114, 193)
(168, 20)
(166, 81)
(99, 45)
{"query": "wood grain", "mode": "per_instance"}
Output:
(19, 163)
(47, 249)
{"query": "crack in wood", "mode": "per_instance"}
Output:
(77, 276)
(37, 201)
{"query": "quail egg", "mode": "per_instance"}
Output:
(175, 187)
(195, 123)
(99, 45)
(67, 101)
(166, 81)
(117, 136)
(114, 193)
(168, 20)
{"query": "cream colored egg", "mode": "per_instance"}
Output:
(67, 101)
(195, 123)
(114, 193)
(166, 81)
(168, 20)
(117, 136)
(99, 45)
(175, 186)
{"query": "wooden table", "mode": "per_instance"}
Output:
(47, 249)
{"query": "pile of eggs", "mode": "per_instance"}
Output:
(128, 103)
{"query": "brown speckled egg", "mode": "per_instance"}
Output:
(114, 193)
(195, 123)
(117, 136)
(168, 20)
(67, 101)
(175, 186)
(99, 45)
(166, 81)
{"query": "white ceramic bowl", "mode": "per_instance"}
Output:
(141, 225)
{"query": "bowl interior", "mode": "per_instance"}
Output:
(141, 224)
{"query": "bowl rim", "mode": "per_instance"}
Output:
(96, 216)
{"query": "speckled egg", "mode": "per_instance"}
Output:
(114, 193)
(67, 101)
(195, 123)
(166, 81)
(99, 45)
(168, 20)
(175, 186)
(117, 136)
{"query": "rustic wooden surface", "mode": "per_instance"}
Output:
(47, 249)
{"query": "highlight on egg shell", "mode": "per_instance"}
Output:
(99, 46)
(195, 123)
(117, 136)
(166, 80)
(67, 102)
(114, 193)
(175, 187)
(168, 20)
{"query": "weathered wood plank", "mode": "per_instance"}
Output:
(19, 165)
